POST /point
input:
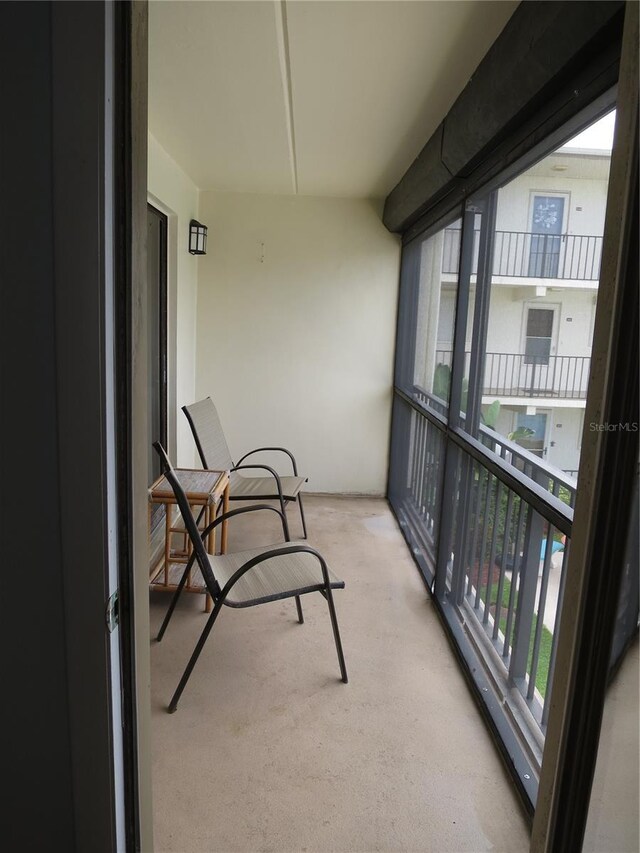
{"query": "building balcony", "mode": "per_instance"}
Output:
(525, 255)
(518, 375)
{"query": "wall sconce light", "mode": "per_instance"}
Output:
(197, 238)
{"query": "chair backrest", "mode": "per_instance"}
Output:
(209, 437)
(189, 521)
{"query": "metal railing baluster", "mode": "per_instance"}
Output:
(483, 541)
(528, 579)
(517, 558)
(506, 538)
(542, 601)
(473, 510)
(492, 547)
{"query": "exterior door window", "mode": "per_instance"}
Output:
(546, 230)
(539, 335)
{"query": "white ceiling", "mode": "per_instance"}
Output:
(316, 98)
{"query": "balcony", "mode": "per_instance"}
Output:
(269, 751)
(522, 254)
(562, 377)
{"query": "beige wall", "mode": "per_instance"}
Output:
(296, 325)
(575, 317)
(173, 192)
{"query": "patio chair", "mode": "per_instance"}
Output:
(249, 578)
(214, 454)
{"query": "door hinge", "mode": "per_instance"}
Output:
(111, 612)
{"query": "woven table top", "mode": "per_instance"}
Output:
(200, 486)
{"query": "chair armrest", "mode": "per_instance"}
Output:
(226, 515)
(267, 555)
(280, 449)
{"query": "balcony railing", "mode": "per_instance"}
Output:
(510, 575)
(506, 570)
(522, 254)
(564, 377)
(562, 484)
(555, 480)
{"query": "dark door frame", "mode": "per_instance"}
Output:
(88, 206)
(73, 176)
(131, 95)
(603, 511)
(162, 337)
(130, 57)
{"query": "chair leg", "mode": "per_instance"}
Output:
(287, 535)
(304, 526)
(178, 591)
(194, 657)
(336, 634)
(299, 607)
(175, 598)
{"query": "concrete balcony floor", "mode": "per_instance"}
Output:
(269, 751)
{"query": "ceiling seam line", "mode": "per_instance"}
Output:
(285, 65)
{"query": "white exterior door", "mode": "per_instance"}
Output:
(548, 215)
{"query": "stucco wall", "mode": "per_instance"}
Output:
(173, 192)
(564, 431)
(586, 197)
(574, 319)
(296, 326)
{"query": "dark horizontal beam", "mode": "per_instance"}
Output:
(434, 418)
(548, 62)
(543, 502)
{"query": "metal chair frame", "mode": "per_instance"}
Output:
(283, 500)
(218, 594)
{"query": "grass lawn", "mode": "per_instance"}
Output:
(546, 640)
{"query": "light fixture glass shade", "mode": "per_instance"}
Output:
(197, 238)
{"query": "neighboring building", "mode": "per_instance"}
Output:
(546, 265)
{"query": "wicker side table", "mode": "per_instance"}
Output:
(205, 489)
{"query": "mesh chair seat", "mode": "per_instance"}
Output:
(263, 488)
(278, 577)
